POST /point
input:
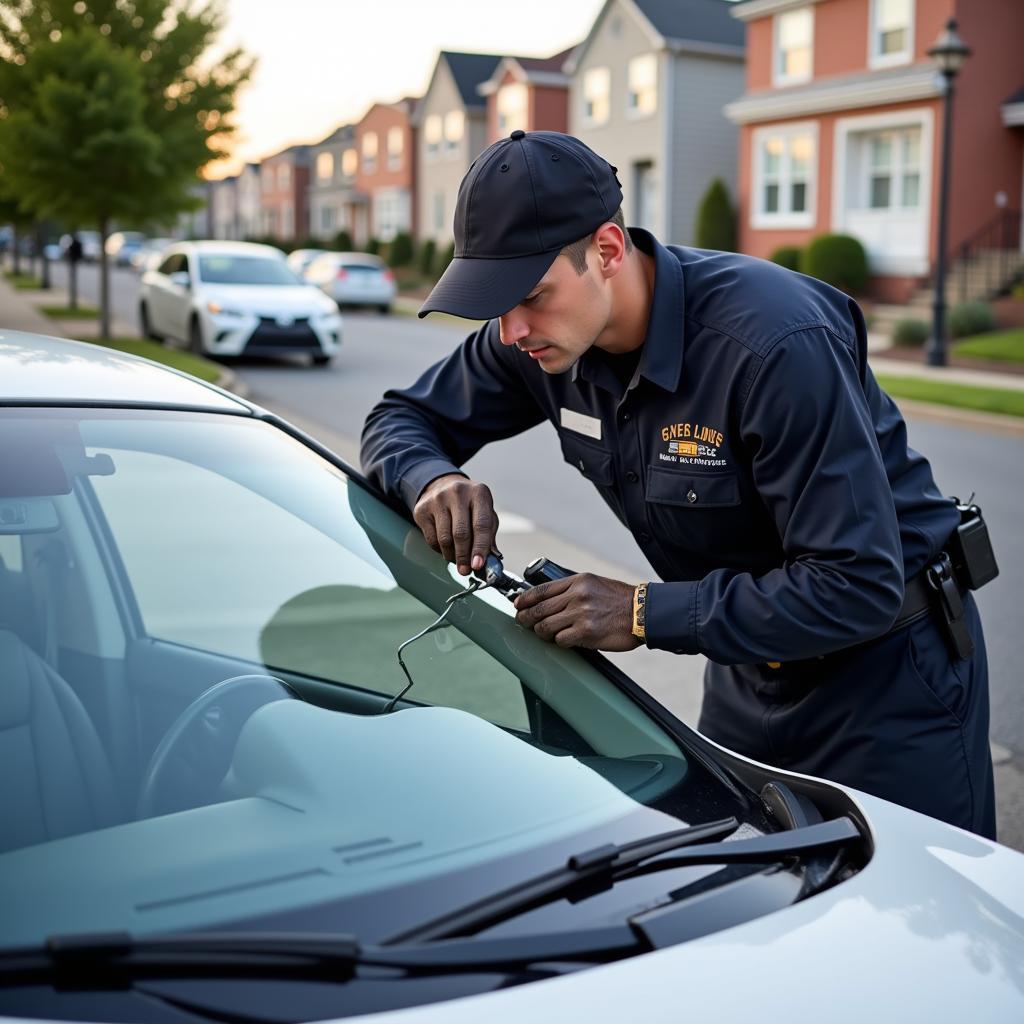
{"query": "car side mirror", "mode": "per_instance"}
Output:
(180, 278)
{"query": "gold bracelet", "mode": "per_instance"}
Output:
(640, 611)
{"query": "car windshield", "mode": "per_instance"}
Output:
(223, 268)
(147, 556)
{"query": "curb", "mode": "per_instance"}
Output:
(228, 380)
(989, 421)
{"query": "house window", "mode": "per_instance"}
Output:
(396, 144)
(370, 153)
(433, 130)
(454, 129)
(349, 163)
(891, 32)
(794, 32)
(643, 85)
(439, 224)
(597, 83)
(284, 176)
(327, 219)
(390, 213)
(325, 166)
(511, 103)
(785, 175)
(891, 162)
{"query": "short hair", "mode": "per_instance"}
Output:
(577, 251)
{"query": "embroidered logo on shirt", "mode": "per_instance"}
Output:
(692, 444)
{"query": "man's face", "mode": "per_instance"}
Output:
(560, 318)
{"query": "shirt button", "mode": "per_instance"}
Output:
(691, 495)
(626, 417)
(632, 477)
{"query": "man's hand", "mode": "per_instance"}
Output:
(457, 518)
(581, 611)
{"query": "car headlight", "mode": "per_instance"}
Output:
(218, 310)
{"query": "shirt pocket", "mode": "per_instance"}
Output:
(593, 461)
(692, 490)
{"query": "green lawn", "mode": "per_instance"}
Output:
(23, 282)
(204, 369)
(963, 396)
(67, 313)
(999, 346)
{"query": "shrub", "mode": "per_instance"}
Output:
(716, 219)
(838, 260)
(372, 246)
(401, 254)
(428, 253)
(910, 333)
(343, 241)
(788, 256)
(444, 257)
(969, 318)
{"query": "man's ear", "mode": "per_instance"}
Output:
(610, 243)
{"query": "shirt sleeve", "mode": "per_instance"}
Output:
(818, 469)
(476, 395)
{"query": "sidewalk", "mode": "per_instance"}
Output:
(895, 367)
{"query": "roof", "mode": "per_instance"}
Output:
(35, 369)
(1017, 97)
(469, 70)
(552, 63)
(531, 70)
(343, 133)
(700, 25)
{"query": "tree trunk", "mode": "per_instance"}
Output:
(72, 283)
(16, 241)
(104, 282)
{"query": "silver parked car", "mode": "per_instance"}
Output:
(354, 279)
(249, 775)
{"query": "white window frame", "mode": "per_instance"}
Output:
(453, 136)
(325, 160)
(778, 78)
(350, 157)
(395, 147)
(370, 148)
(588, 119)
(888, 60)
(633, 110)
(759, 218)
(433, 136)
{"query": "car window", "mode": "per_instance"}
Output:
(246, 270)
(172, 264)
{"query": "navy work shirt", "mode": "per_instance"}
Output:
(752, 455)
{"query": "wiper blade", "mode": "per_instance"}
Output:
(105, 959)
(613, 863)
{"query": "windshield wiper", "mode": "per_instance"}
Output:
(609, 864)
(103, 960)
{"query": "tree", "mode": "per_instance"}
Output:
(716, 219)
(121, 106)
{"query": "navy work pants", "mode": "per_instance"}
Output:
(897, 718)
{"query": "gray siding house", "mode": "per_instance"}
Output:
(451, 123)
(647, 89)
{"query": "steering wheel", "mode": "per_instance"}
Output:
(195, 753)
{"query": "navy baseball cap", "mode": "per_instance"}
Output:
(521, 202)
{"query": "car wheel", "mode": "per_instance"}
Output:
(195, 338)
(146, 326)
(321, 360)
(385, 309)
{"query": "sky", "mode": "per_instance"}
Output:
(322, 63)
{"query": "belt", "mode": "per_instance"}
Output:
(921, 595)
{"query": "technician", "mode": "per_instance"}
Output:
(724, 409)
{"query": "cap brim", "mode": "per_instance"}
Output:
(484, 289)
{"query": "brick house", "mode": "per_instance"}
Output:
(841, 125)
(647, 89)
(531, 93)
(451, 129)
(332, 192)
(386, 143)
(284, 179)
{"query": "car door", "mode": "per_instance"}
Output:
(179, 305)
(158, 297)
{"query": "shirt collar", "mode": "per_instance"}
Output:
(662, 360)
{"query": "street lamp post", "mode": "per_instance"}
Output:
(949, 52)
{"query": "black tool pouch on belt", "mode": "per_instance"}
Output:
(968, 564)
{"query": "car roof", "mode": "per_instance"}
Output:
(231, 248)
(358, 257)
(37, 370)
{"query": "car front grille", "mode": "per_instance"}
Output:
(271, 334)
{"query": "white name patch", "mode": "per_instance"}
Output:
(581, 424)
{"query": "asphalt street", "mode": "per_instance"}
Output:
(548, 508)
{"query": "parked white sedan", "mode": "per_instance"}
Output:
(236, 298)
(227, 795)
(354, 279)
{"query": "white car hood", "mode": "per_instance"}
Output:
(272, 301)
(931, 929)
